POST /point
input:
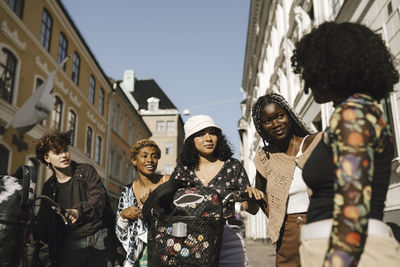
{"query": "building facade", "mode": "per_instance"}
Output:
(126, 127)
(35, 37)
(161, 117)
(274, 27)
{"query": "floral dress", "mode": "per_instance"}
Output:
(358, 132)
(128, 232)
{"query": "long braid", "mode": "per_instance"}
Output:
(298, 128)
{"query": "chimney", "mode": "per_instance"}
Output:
(128, 83)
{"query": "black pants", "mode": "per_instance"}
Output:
(85, 252)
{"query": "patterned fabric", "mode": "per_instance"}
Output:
(232, 176)
(357, 131)
(128, 231)
(278, 170)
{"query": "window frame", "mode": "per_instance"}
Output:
(89, 143)
(76, 68)
(92, 88)
(99, 147)
(17, 3)
(62, 49)
(56, 115)
(46, 29)
(71, 125)
(9, 70)
(101, 101)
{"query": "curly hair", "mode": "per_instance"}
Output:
(298, 126)
(190, 157)
(344, 59)
(52, 140)
(144, 143)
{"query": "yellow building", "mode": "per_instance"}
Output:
(35, 36)
(125, 129)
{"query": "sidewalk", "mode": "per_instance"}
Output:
(261, 253)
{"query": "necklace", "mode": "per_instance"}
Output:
(203, 179)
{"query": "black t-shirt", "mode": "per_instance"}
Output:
(68, 194)
(319, 175)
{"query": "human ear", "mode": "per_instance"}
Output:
(46, 158)
(134, 162)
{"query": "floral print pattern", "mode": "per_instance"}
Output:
(232, 176)
(357, 130)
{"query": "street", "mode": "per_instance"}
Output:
(261, 253)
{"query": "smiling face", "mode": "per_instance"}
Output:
(275, 122)
(146, 160)
(206, 140)
(59, 160)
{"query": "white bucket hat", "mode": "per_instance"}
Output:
(197, 123)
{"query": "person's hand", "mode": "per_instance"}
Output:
(131, 213)
(254, 193)
(72, 215)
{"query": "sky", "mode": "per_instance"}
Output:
(194, 50)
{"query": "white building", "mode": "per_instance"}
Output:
(274, 27)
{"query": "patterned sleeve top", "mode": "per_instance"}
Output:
(128, 231)
(232, 176)
(360, 140)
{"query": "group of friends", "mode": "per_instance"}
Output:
(325, 191)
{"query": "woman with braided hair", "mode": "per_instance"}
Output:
(287, 145)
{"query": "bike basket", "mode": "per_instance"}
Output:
(188, 231)
(199, 245)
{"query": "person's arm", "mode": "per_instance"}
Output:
(121, 228)
(243, 184)
(351, 137)
(261, 184)
(94, 206)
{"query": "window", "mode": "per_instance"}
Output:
(4, 157)
(8, 66)
(121, 123)
(160, 126)
(89, 137)
(62, 49)
(72, 126)
(169, 148)
(45, 31)
(98, 149)
(130, 133)
(75, 68)
(389, 8)
(17, 6)
(114, 118)
(92, 85)
(38, 83)
(57, 114)
(170, 126)
(101, 101)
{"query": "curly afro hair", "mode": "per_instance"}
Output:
(52, 140)
(344, 59)
(144, 143)
(189, 155)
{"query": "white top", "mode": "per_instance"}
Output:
(298, 198)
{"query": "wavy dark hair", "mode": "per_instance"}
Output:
(52, 140)
(344, 59)
(189, 155)
(298, 127)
